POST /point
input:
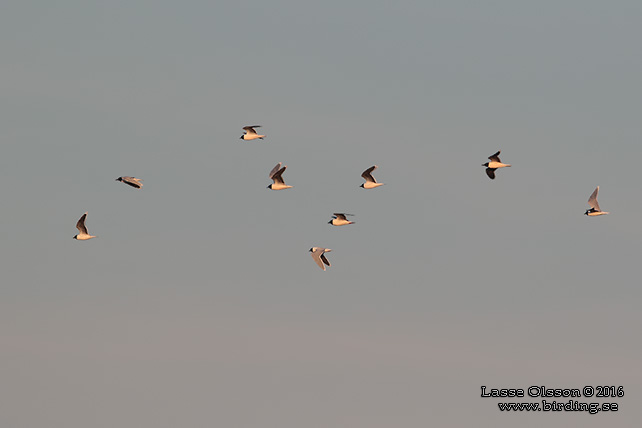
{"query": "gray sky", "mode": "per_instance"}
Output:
(199, 305)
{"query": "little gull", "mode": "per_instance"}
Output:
(250, 133)
(494, 164)
(83, 235)
(595, 207)
(370, 183)
(340, 219)
(275, 175)
(318, 254)
(132, 181)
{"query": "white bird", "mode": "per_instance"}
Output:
(275, 175)
(132, 181)
(340, 219)
(494, 164)
(595, 207)
(318, 255)
(370, 183)
(83, 235)
(250, 133)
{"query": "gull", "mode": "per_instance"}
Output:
(340, 219)
(83, 235)
(370, 183)
(318, 254)
(275, 175)
(132, 181)
(595, 207)
(494, 164)
(250, 133)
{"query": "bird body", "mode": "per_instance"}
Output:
(496, 165)
(250, 133)
(591, 213)
(318, 255)
(371, 182)
(83, 235)
(279, 186)
(369, 185)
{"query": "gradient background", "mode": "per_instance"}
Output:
(199, 305)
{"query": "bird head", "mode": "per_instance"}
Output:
(485, 164)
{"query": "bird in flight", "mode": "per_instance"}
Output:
(370, 183)
(595, 207)
(131, 181)
(340, 219)
(276, 176)
(83, 235)
(494, 164)
(318, 255)
(250, 133)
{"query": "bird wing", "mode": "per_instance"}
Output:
(325, 260)
(277, 176)
(367, 174)
(495, 157)
(340, 216)
(250, 129)
(490, 172)
(81, 224)
(593, 199)
(274, 170)
(134, 182)
(316, 256)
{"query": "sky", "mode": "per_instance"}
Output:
(198, 305)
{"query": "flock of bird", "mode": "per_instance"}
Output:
(339, 219)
